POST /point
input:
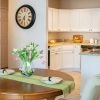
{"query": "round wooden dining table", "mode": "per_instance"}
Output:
(14, 90)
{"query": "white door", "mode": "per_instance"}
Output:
(64, 22)
(68, 59)
(96, 20)
(85, 20)
(50, 12)
(55, 19)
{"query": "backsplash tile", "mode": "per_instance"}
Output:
(86, 36)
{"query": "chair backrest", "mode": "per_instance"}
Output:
(91, 90)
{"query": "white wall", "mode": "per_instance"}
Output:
(18, 37)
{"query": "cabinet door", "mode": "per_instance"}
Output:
(85, 20)
(74, 20)
(56, 60)
(55, 19)
(68, 59)
(64, 22)
(96, 20)
(77, 50)
(50, 19)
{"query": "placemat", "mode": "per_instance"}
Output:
(65, 86)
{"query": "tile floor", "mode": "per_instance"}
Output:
(76, 92)
(76, 76)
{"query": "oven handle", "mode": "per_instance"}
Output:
(48, 58)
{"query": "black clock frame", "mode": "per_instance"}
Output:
(33, 16)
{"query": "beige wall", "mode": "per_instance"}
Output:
(4, 33)
(74, 4)
(53, 35)
(67, 35)
(4, 3)
(53, 3)
(70, 4)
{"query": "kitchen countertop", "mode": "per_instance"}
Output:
(69, 43)
(90, 53)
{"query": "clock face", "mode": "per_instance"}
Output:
(25, 16)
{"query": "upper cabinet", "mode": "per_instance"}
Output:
(74, 20)
(64, 20)
(53, 19)
(96, 20)
(85, 20)
(50, 20)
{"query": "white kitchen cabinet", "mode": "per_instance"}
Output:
(74, 20)
(65, 57)
(77, 50)
(56, 58)
(71, 56)
(68, 56)
(96, 20)
(85, 20)
(55, 19)
(68, 20)
(68, 60)
(64, 20)
(50, 18)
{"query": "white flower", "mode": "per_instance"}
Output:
(28, 53)
(31, 47)
(15, 50)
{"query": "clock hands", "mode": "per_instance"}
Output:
(24, 18)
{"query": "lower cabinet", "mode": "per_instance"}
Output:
(63, 57)
(68, 59)
(56, 60)
(77, 62)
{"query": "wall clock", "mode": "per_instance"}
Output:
(25, 16)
